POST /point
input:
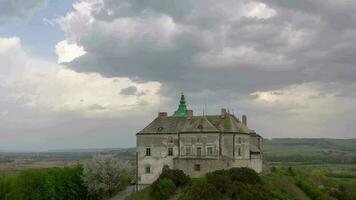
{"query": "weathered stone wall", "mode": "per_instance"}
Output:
(193, 141)
(206, 165)
(158, 145)
(242, 142)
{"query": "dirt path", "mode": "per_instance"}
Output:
(125, 193)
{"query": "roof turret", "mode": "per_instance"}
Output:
(182, 108)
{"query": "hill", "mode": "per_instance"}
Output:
(310, 151)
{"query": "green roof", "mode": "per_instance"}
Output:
(182, 108)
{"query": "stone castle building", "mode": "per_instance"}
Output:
(196, 144)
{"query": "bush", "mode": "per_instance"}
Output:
(220, 180)
(162, 189)
(245, 175)
(242, 191)
(200, 189)
(309, 188)
(178, 177)
(59, 184)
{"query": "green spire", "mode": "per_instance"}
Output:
(182, 109)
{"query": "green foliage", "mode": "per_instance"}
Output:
(309, 188)
(200, 189)
(68, 183)
(50, 184)
(162, 189)
(220, 179)
(144, 194)
(178, 177)
(346, 192)
(245, 175)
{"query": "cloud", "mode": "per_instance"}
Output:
(19, 9)
(68, 52)
(129, 91)
(47, 87)
(311, 109)
(188, 43)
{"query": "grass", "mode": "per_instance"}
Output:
(143, 194)
(294, 183)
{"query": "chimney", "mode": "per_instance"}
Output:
(223, 112)
(190, 114)
(244, 119)
(162, 114)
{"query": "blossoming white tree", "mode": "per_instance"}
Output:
(104, 174)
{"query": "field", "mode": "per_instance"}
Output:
(335, 152)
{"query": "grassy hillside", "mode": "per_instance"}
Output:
(284, 183)
(310, 151)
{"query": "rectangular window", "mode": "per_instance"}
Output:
(170, 139)
(188, 151)
(148, 169)
(170, 151)
(239, 151)
(239, 140)
(210, 151)
(148, 151)
(196, 167)
(198, 151)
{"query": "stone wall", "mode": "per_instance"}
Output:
(158, 145)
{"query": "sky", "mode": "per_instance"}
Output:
(92, 73)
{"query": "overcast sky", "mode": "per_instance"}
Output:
(92, 73)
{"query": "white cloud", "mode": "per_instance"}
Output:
(48, 87)
(67, 52)
(305, 110)
(258, 10)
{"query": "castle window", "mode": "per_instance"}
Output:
(198, 151)
(196, 167)
(198, 139)
(148, 169)
(188, 151)
(210, 151)
(170, 139)
(239, 140)
(148, 151)
(170, 151)
(239, 151)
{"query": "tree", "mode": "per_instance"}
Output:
(104, 174)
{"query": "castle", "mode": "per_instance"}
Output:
(195, 144)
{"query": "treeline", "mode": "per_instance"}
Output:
(47, 184)
(312, 159)
(99, 178)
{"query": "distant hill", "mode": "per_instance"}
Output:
(310, 151)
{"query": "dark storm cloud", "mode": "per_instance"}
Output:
(304, 41)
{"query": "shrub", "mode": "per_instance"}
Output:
(245, 175)
(178, 177)
(200, 189)
(162, 189)
(220, 180)
(309, 188)
(242, 191)
(32, 185)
